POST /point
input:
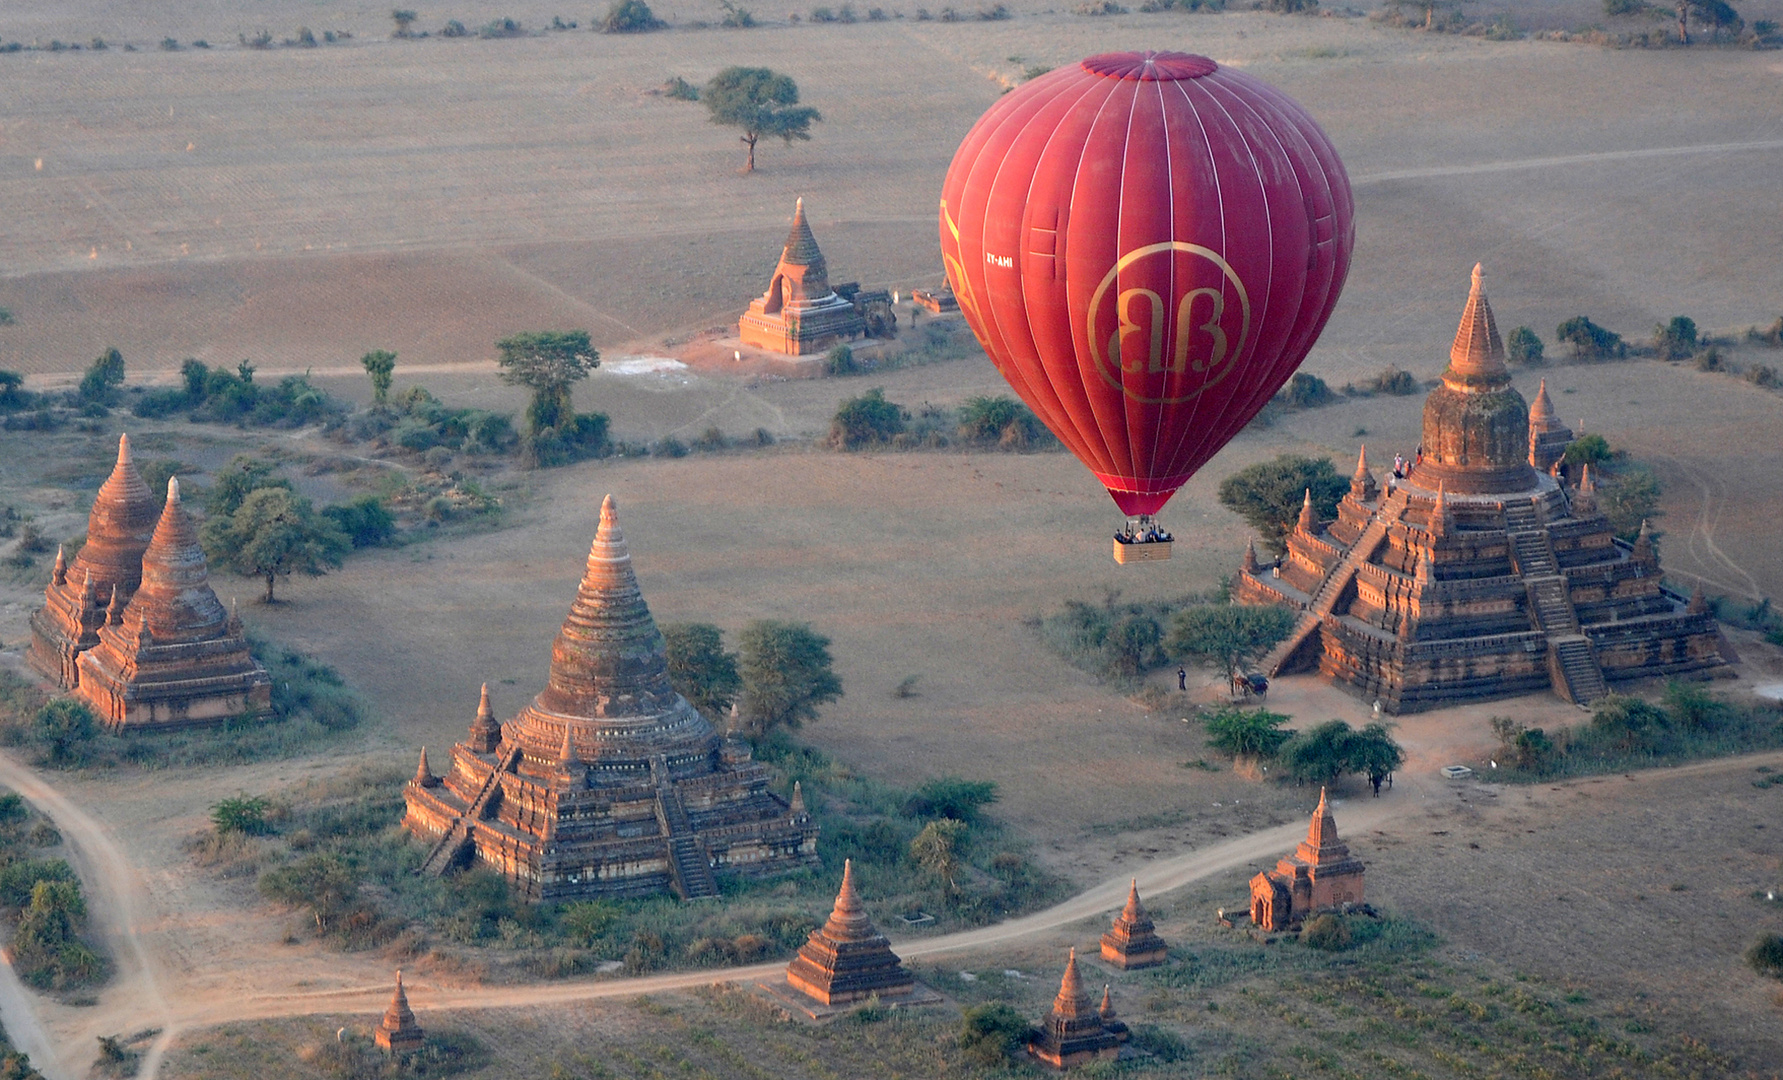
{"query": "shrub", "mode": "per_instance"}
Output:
(1246, 732)
(245, 814)
(1392, 380)
(736, 18)
(1229, 635)
(1099, 7)
(366, 521)
(1523, 347)
(322, 882)
(1630, 724)
(1305, 391)
(1318, 755)
(951, 797)
(63, 730)
(1001, 421)
(1590, 341)
(103, 377)
(12, 390)
(839, 360)
(630, 17)
(1590, 449)
(680, 89)
(822, 15)
(1766, 955)
(1762, 375)
(454, 29)
(991, 1033)
(501, 28)
(994, 13)
(1710, 359)
(1327, 933)
(865, 421)
(1675, 340)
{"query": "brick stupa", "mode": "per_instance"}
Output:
(609, 783)
(398, 1033)
(800, 313)
(847, 959)
(1481, 575)
(1132, 942)
(74, 606)
(172, 657)
(1321, 874)
(1073, 1032)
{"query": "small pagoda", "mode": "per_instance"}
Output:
(608, 783)
(171, 657)
(846, 959)
(1111, 1022)
(800, 313)
(80, 593)
(1073, 1033)
(1132, 942)
(398, 1033)
(1481, 574)
(1320, 875)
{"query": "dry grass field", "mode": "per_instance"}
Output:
(300, 207)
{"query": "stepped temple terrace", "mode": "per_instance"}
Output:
(800, 313)
(609, 783)
(1481, 574)
(171, 657)
(846, 959)
(1132, 942)
(1073, 1032)
(1320, 875)
(106, 569)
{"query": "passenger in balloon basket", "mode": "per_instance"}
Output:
(1144, 531)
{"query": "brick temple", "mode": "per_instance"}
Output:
(80, 593)
(398, 1032)
(1320, 875)
(1073, 1032)
(1482, 575)
(171, 657)
(608, 783)
(800, 313)
(1133, 941)
(847, 959)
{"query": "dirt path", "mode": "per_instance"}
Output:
(1701, 540)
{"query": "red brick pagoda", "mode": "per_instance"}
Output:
(1481, 575)
(609, 783)
(1321, 874)
(171, 657)
(846, 959)
(1132, 942)
(74, 606)
(800, 313)
(1073, 1032)
(398, 1033)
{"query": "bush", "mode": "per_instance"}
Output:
(103, 378)
(366, 521)
(992, 1033)
(1675, 340)
(1763, 375)
(1099, 7)
(1591, 449)
(1766, 955)
(1305, 391)
(866, 421)
(951, 797)
(736, 18)
(1523, 347)
(454, 29)
(1328, 933)
(630, 17)
(1631, 724)
(245, 814)
(839, 360)
(680, 89)
(63, 730)
(12, 391)
(1710, 359)
(1247, 732)
(501, 28)
(1000, 421)
(1590, 341)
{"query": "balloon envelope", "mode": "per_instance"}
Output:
(1147, 245)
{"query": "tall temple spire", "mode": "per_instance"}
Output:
(1477, 351)
(801, 246)
(1362, 485)
(1542, 408)
(424, 775)
(1324, 825)
(1072, 1001)
(485, 733)
(1584, 501)
(846, 959)
(1309, 522)
(797, 805)
(1133, 942)
(175, 600)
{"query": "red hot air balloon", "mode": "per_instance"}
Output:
(1147, 245)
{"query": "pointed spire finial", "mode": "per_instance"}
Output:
(173, 489)
(1250, 556)
(423, 778)
(848, 902)
(1478, 350)
(1362, 462)
(1308, 522)
(483, 709)
(567, 755)
(114, 611)
(798, 798)
(1106, 1010)
(1479, 275)
(124, 457)
(60, 574)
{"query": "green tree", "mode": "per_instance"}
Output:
(991, 1033)
(951, 797)
(1766, 955)
(404, 19)
(867, 420)
(1247, 732)
(1523, 347)
(273, 534)
(244, 475)
(365, 520)
(785, 669)
(1319, 754)
(244, 814)
(1630, 724)
(63, 729)
(937, 850)
(1373, 753)
(759, 102)
(699, 667)
(321, 882)
(1675, 340)
(12, 390)
(1590, 449)
(1591, 341)
(1228, 635)
(1000, 421)
(1628, 498)
(1718, 15)
(549, 363)
(1305, 391)
(1268, 495)
(380, 364)
(630, 17)
(104, 375)
(586, 920)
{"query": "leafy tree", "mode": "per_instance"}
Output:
(699, 667)
(1229, 635)
(1675, 340)
(321, 882)
(1305, 391)
(785, 670)
(380, 364)
(1633, 8)
(245, 814)
(1268, 495)
(404, 19)
(243, 476)
(1694, 708)
(1394, 380)
(840, 361)
(1717, 14)
(630, 17)
(549, 363)
(1247, 732)
(992, 1033)
(1628, 498)
(759, 102)
(1591, 341)
(365, 521)
(1525, 749)
(937, 850)
(951, 797)
(273, 534)
(104, 375)
(1373, 753)
(1630, 724)
(63, 728)
(1523, 347)
(867, 420)
(1319, 754)
(12, 390)
(1766, 955)
(1590, 449)
(1327, 933)
(1133, 644)
(1001, 421)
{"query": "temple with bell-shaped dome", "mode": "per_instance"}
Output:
(608, 783)
(800, 313)
(1482, 574)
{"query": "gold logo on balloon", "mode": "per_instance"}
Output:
(1161, 357)
(956, 274)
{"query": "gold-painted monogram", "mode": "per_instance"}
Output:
(1137, 346)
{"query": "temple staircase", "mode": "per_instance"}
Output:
(450, 847)
(1335, 585)
(1571, 662)
(690, 864)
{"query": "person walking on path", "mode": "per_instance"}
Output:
(1182, 678)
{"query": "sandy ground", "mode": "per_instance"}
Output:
(300, 207)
